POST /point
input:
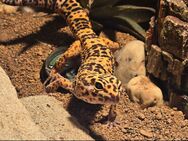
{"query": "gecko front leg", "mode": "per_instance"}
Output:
(55, 79)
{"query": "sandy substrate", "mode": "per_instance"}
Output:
(26, 40)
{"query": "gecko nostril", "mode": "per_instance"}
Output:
(115, 99)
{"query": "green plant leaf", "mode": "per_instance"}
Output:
(84, 3)
(101, 3)
(124, 28)
(96, 25)
(134, 25)
(136, 13)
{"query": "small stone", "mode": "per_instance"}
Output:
(48, 105)
(152, 109)
(141, 90)
(141, 116)
(31, 81)
(124, 130)
(146, 133)
(159, 116)
(131, 131)
(126, 126)
(172, 113)
(39, 53)
(131, 61)
(169, 121)
(36, 76)
(160, 136)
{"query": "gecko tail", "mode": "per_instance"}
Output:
(19, 2)
(48, 4)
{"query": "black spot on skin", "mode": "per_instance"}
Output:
(82, 27)
(84, 37)
(96, 51)
(103, 48)
(100, 99)
(96, 46)
(105, 90)
(66, 4)
(94, 94)
(79, 20)
(71, 16)
(85, 82)
(114, 89)
(100, 95)
(93, 80)
(81, 87)
(91, 99)
(106, 98)
(76, 24)
(103, 52)
(86, 93)
(111, 94)
(74, 5)
(109, 86)
(97, 70)
(111, 80)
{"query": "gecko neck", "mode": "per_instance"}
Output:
(78, 21)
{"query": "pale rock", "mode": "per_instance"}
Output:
(55, 122)
(26, 9)
(8, 9)
(141, 90)
(130, 61)
(15, 121)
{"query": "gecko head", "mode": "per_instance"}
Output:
(98, 89)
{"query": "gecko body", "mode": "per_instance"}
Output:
(94, 82)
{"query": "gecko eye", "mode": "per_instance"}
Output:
(98, 85)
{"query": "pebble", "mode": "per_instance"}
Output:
(172, 113)
(131, 131)
(141, 116)
(169, 121)
(124, 130)
(152, 109)
(146, 133)
(159, 116)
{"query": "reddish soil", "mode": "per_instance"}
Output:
(26, 40)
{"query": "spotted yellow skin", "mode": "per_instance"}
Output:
(94, 82)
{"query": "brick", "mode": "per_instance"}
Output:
(174, 37)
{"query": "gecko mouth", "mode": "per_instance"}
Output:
(101, 100)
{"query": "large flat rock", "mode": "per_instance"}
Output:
(54, 121)
(15, 121)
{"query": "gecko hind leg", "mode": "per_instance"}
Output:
(55, 79)
(111, 44)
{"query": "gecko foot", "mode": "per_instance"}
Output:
(112, 121)
(50, 83)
